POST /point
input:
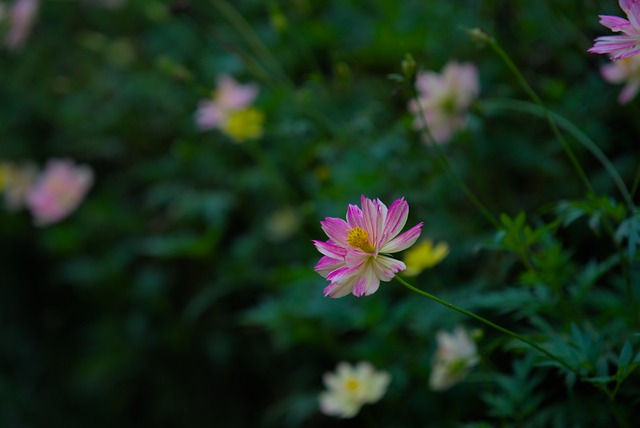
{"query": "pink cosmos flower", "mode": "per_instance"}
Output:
(355, 257)
(58, 190)
(624, 71)
(623, 45)
(21, 17)
(229, 97)
(445, 99)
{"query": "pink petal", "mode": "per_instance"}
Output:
(612, 44)
(336, 229)
(629, 91)
(343, 273)
(614, 23)
(396, 218)
(354, 216)
(386, 268)
(208, 116)
(366, 282)
(326, 265)
(374, 214)
(356, 257)
(627, 53)
(613, 73)
(336, 289)
(330, 249)
(403, 241)
(634, 14)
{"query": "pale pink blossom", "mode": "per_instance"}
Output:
(624, 45)
(21, 18)
(228, 98)
(454, 358)
(355, 258)
(58, 190)
(351, 387)
(445, 99)
(626, 71)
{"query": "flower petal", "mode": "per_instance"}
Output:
(354, 216)
(339, 289)
(366, 282)
(403, 241)
(343, 273)
(326, 265)
(336, 229)
(330, 249)
(396, 219)
(386, 267)
(375, 214)
(614, 23)
(629, 91)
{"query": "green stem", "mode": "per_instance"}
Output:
(636, 182)
(490, 324)
(447, 164)
(536, 99)
(567, 125)
(248, 33)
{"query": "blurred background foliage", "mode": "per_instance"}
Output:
(182, 292)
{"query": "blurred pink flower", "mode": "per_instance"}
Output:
(354, 258)
(229, 97)
(623, 45)
(21, 18)
(627, 71)
(58, 190)
(444, 99)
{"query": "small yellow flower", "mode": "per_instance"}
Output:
(244, 124)
(424, 256)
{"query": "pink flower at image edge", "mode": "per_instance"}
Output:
(623, 45)
(355, 257)
(58, 191)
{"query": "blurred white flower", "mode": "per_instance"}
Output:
(349, 388)
(454, 358)
(444, 99)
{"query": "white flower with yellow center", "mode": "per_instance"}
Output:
(454, 358)
(349, 388)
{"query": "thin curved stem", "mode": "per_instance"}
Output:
(490, 324)
(447, 164)
(536, 99)
(248, 33)
(636, 182)
(567, 125)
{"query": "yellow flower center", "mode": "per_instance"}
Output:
(359, 238)
(351, 384)
(244, 124)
